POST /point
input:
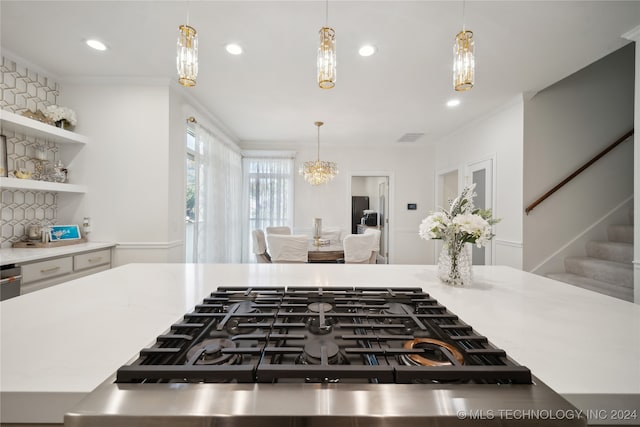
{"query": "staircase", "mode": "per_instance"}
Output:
(608, 267)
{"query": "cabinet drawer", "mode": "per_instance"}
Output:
(91, 259)
(46, 269)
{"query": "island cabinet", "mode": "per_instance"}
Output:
(42, 274)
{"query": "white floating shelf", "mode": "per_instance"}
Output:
(30, 127)
(31, 184)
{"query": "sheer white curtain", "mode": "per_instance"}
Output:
(268, 195)
(218, 227)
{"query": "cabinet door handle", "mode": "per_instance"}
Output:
(96, 259)
(50, 269)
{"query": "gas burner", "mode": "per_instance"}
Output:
(434, 349)
(209, 352)
(242, 309)
(313, 352)
(319, 324)
(395, 309)
(317, 307)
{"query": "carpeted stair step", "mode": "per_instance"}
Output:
(605, 288)
(605, 271)
(620, 233)
(610, 251)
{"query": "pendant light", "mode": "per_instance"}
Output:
(463, 58)
(187, 55)
(327, 54)
(319, 172)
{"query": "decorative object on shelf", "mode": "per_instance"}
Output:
(59, 172)
(63, 117)
(463, 58)
(318, 172)
(187, 56)
(4, 168)
(22, 174)
(457, 226)
(38, 115)
(326, 60)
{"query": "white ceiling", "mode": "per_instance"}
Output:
(269, 93)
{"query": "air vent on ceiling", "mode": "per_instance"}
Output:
(411, 137)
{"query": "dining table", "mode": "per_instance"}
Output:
(331, 252)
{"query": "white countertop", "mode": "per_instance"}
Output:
(22, 255)
(60, 343)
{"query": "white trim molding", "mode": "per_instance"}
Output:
(149, 245)
(509, 243)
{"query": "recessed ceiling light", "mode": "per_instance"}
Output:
(233, 49)
(367, 50)
(453, 103)
(97, 45)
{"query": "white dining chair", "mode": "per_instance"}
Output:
(260, 246)
(288, 248)
(278, 230)
(360, 248)
(331, 234)
(376, 244)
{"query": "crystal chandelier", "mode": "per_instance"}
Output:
(187, 58)
(463, 58)
(318, 172)
(463, 61)
(327, 55)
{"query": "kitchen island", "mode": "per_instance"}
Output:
(60, 343)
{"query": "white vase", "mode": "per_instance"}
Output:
(454, 264)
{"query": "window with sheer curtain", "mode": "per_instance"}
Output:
(214, 189)
(268, 195)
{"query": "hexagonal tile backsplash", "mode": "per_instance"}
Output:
(23, 89)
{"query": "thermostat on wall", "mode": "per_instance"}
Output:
(412, 206)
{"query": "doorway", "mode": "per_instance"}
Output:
(480, 173)
(448, 186)
(370, 192)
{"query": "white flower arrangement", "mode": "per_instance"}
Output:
(57, 113)
(461, 223)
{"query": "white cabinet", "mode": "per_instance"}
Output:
(33, 128)
(44, 273)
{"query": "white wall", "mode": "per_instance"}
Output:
(497, 135)
(126, 167)
(634, 35)
(565, 126)
(411, 168)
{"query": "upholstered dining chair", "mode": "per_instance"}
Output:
(278, 230)
(360, 248)
(288, 248)
(376, 244)
(260, 246)
(332, 234)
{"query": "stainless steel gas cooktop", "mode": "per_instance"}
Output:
(299, 355)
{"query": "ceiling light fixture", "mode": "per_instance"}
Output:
(453, 103)
(233, 49)
(327, 54)
(367, 50)
(463, 58)
(96, 44)
(187, 56)
(319, 172)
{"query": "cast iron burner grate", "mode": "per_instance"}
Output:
(337, 334)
